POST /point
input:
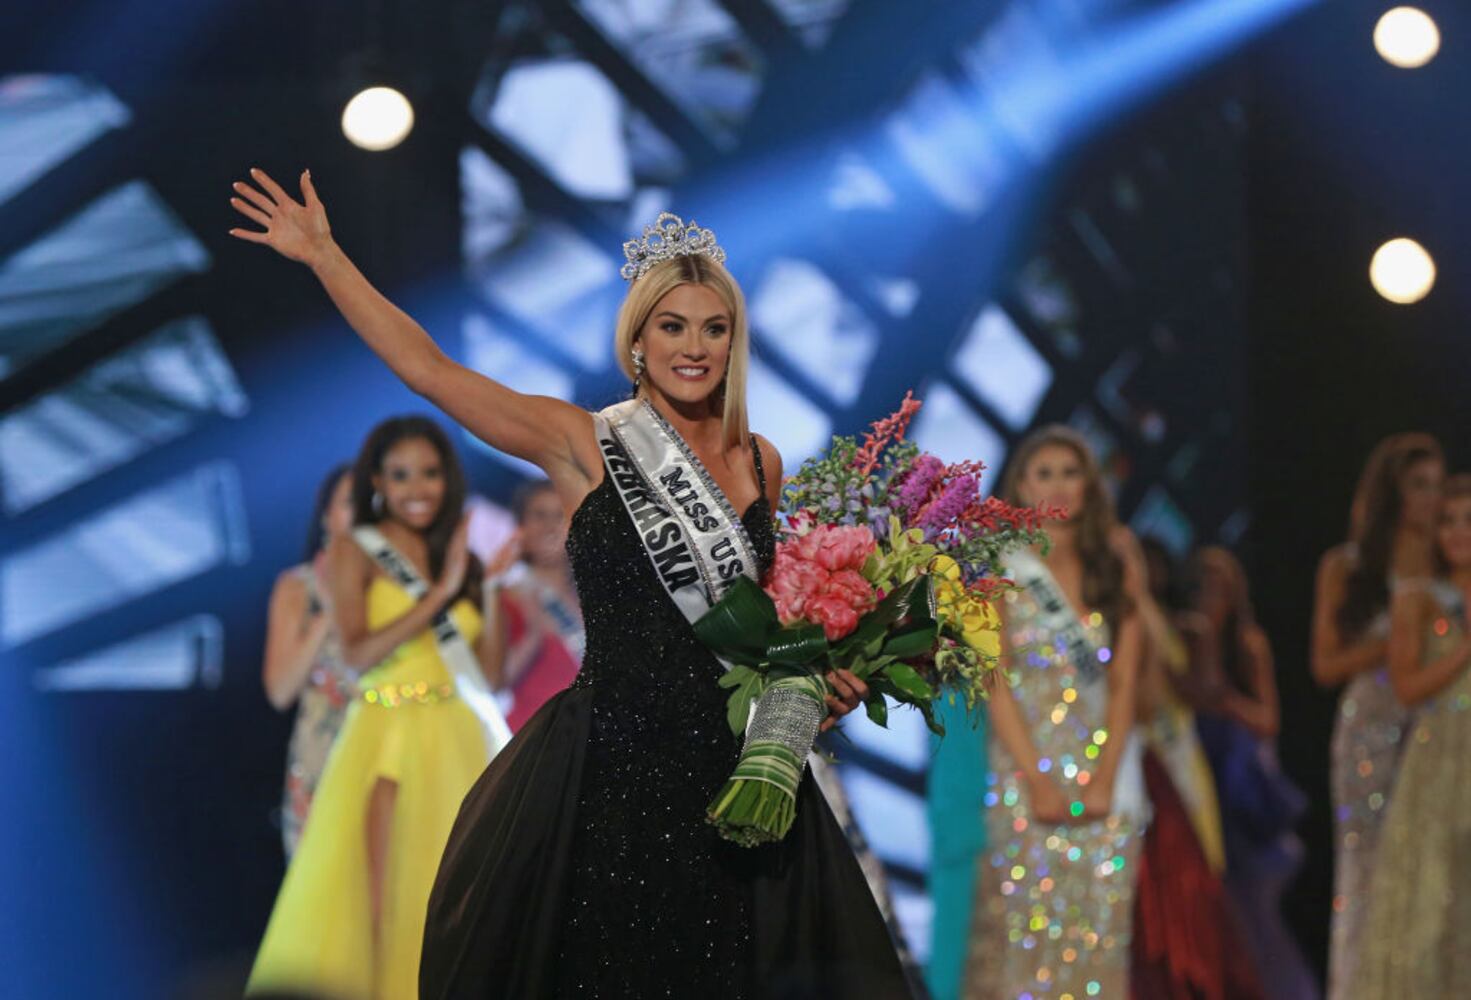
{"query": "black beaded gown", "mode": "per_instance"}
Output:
(581, 864)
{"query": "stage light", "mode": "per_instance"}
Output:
(377, 118)
(1407, 37)
(1402, 271)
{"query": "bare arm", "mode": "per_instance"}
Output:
(550, 433)
(492, 647)
(294, 635)
(1123, 678)
(1152, 682)
(1047, 801)
(349, 573)
(1414, 681)
(1258, 711)
(1337, 660)
(771, 465)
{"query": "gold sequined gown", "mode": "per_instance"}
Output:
(1054, 903)
(1365, 755)
(1419, 911)
(407, 727)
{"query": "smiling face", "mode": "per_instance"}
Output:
(412, 483)
(686, 344)
(1055, 475)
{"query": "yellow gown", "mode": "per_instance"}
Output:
(408, 727)
(1172, 735)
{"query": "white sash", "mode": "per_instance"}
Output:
(1130, 799)
(687, 526)
(470, 682)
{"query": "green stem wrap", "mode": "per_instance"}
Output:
(758, 803)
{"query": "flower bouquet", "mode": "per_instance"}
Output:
(887, 565)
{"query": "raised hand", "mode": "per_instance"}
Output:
(506, 556)
(296, 230)
(456, 560)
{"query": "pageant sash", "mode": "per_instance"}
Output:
(1130, 799)
(470, 682)
(687, 526)
(1058, 615)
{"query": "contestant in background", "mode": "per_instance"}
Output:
(1065, 802)
(1391, 524)
(1186, 941)
(1259, 804)
(537, 632)
(349, 919)
(303, 661)
(1414, 941)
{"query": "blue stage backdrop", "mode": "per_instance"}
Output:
(1025, 211)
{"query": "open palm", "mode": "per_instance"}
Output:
(293, 229)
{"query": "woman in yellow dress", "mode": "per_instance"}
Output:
(349, 920)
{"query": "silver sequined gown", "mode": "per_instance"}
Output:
(1365, 756)
(1419, 910)
(1054, 903)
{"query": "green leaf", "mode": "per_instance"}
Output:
(740, 621)
(928, 710)
(878, 710)
(907, 680)
(748, 685)
(915, 640)
(796, 644)
(915, 598)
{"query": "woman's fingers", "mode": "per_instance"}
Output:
(246, 234)
(272, 188)
(260, 201)
(860, 689)
(250, 212)
(309, 190)
(842, 687)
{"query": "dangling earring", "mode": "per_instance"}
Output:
(638, 369)
(377, 503)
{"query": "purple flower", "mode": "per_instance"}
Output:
(947, 506)
(915, 487)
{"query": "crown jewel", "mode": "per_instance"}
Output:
(669, 236)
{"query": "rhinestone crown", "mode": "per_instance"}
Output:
(669, 236)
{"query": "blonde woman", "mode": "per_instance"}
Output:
(581, 863)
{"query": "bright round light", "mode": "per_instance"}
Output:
(1402, 271)
(1407, 37)
(377, 118)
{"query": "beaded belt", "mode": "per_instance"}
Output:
(394, 695)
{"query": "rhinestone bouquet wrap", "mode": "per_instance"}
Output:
(887, 567)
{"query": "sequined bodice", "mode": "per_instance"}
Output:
(658, 749)
(1064, 703)
(638, 642)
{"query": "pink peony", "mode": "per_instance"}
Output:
(834, 614)
(852, 589)
(791, 583)
(815, 578)
(834, 548)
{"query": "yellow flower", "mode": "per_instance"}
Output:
(975, 619)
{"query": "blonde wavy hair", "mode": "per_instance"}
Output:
(659, 281)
